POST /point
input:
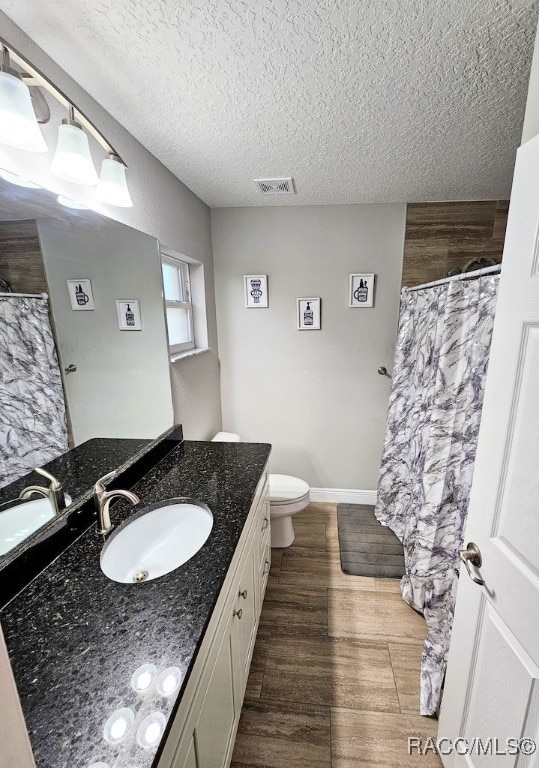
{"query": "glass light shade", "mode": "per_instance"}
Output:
(69, 203)
(18, 125)
(112, 188)
(72, 159)
(18, 180)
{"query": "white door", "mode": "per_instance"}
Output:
(492, 684)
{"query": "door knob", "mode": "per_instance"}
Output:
(471, 556)
(238, 613)
(70, 368)
(243, 594)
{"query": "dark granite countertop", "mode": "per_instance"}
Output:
(75, 638)
(80, 467)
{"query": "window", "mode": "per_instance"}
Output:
(178, 306)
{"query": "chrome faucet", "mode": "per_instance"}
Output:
(102, 499)
(54, 493)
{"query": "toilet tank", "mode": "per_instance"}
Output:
(226, 437)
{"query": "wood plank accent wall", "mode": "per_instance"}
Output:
(442, 236)
(21, 262)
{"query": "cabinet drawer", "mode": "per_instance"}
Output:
(246, 617)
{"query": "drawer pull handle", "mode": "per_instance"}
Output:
(266, 523)
(238, 613)
(266, 567)
(243, 594)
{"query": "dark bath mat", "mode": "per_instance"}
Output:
(367, 547)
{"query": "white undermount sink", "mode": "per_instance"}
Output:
(161, 538)
(19, 521)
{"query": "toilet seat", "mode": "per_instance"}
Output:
(287, 495)
(286, 489)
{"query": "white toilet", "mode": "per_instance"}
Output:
(288, 496)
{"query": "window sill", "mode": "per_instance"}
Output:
(188, 353)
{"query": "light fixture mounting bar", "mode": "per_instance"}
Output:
(32, 76)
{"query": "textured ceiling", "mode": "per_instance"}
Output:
(361, 101)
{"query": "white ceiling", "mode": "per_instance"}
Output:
(361, 101)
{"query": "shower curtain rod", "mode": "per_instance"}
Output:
(462, 276)
(7, 295)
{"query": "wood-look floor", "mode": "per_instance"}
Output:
(334, 680)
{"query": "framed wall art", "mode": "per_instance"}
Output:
(129, 314)
(361, 290)
(80, 294)
(256, 291)
(308, 314)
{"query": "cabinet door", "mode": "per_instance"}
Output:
(216, 724)
(246, 618)
(265, 568)
(188, 760)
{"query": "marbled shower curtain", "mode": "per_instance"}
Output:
(429, 451)
(32, 410)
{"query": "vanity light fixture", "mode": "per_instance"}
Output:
(112, 187)
(18, 124)
(18, 180)
(72, 159)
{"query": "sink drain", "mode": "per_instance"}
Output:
(140, 576)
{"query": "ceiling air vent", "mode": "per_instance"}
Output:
(275, 186)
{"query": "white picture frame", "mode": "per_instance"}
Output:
(361, 290)
(80, 294)
(256, 291)
(128, 311)
(309, 316)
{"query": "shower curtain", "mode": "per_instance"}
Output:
(429, 450)
(32, 410)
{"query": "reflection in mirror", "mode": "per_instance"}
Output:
(83, 351)
(19, 519)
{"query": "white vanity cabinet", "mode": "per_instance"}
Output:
(204, 729)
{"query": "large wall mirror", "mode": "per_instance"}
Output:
(83, 344)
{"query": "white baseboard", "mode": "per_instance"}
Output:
(343, 496)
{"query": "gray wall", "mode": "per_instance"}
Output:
(163, 207)
(316, 396)
(531, 116)
(121, 387)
